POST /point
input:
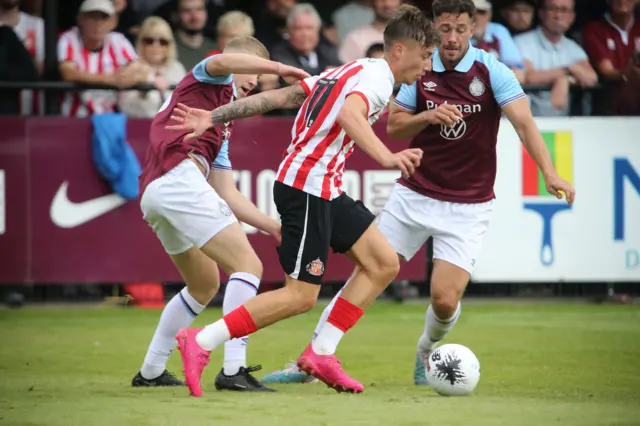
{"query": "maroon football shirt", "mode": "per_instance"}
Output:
(167, 148)
(459, 162)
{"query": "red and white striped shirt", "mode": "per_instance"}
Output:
(314, 162)
(116, 52)
(30, 29)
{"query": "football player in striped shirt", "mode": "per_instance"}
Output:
(337, 110)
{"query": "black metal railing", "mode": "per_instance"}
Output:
(52, 90)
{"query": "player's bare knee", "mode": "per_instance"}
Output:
(384, 269)
(303, 296)
(203, 294)
(444, 304)
(251, 264)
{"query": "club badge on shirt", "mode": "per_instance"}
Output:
(476, 88)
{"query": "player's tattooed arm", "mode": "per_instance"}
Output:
(285, 98)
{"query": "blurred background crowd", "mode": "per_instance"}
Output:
(555, 47)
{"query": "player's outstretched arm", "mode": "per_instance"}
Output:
(224, 184)
(285, 98)
(519, 114)
(197, 121)
(240, 63)
(353, 119)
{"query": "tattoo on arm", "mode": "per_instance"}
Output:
(295, 96)
(288, 97)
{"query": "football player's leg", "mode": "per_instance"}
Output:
(232, 251)
(456, 242)
(291, 373)
(306, 227)
(198, 271)
(405, 235)
(376, 251)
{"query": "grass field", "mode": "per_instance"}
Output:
(542, 364)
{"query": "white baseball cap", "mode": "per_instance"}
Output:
(104, 6)
(483, 5)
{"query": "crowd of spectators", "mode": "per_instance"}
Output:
(554, 43)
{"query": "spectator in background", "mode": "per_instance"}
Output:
(16, 64)
(191, 43)
(303, 48)
(30, 31)
(376, 51)
(91, 54)
(126, 20)
(356, 43)
(32, 7)
(613, 45)
(271, 28)
(496, 39)
(233, 24)
(518, 15)
(351, 16)
(157, 52)
(551, 58)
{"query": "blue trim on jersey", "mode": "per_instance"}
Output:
(222, 161)
(504, 84)
(201, 74)
(407, 97)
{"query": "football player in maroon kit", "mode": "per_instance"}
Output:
(190, 200)
(452, 113)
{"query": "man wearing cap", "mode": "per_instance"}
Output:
(495, 39)
(91, 54)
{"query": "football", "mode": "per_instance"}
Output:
(453, 370)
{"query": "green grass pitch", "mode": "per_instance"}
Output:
(542, 364)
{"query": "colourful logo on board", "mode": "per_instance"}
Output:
(534, 191)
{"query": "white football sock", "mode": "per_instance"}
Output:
(179, 313)
(240, 288)
(213, 335)
(325, 314)
(326, 342)
(436, 329)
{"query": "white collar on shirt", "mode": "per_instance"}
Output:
(464, 65)
(624, 33)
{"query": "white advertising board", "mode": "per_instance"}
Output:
(533, 237)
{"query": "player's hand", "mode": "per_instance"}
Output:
(193, 120)
(406, 161)
(291, 74)
(560, 187)
(445, 114)
(275, 230)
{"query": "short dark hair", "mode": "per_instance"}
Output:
(410, 24)
(374, 48)
(453, 7)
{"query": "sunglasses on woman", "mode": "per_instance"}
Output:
(148, 41)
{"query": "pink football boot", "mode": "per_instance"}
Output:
(194, 359)
(328, 370)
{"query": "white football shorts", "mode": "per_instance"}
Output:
(183, 209)
(408, 219)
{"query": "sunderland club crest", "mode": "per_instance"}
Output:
(315, 267)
